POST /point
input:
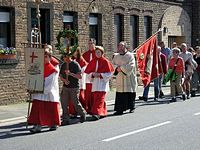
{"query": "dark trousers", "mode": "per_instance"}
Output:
(67, 95)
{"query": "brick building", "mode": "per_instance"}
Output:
(108, 21)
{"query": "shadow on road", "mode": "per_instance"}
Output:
(14, 130)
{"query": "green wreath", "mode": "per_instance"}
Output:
(62, 35)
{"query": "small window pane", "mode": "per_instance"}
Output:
(4, 17)
(5, 28)
(68, 17)
(118, 28)
(94, 27)
(134, 31)
(147, 26)
(4, 34)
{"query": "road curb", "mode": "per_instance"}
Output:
(108, 103)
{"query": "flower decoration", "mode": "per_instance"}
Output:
(61, 44)
(8, 50)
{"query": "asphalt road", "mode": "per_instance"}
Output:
(153, 126)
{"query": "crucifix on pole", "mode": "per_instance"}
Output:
(67, 51)
(38, 18)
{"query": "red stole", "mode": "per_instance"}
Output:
(81, 62)
(48, 69)
(86, 55)
(54, 61)
(104, 66)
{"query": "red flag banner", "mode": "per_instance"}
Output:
(147, 60)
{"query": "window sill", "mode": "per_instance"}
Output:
(8, 59)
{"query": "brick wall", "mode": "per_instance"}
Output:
(12, 77)
(196, 23)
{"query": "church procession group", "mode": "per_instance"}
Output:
(86, 76)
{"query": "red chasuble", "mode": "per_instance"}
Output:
(48, 69)
(54, 61)
(88, 92)
(86, 55)
(98, 105)
(82, 62)
(104, 66)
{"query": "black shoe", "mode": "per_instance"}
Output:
(143, 98)
(132, 110)
(188, 96)
(118, 113)
(36, 129)
(155, 99)
(173, 100)
(82, 119)
(73, 117)
(193, 94)
(161, 94)
(65, 122)
(95, 117)
(53, 128)
(183, 97)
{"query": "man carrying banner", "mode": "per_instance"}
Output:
(126, 81)
(148, 65)
(157, 81)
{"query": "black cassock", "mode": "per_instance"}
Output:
(124, 101)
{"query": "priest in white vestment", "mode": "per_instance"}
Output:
(126, 81)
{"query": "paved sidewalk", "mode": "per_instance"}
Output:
(19, 111)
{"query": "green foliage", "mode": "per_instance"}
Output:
(70, 34)
(8, 50)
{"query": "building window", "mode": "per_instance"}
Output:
(95, 27)
(118, 28)
(70, 22)
(147, 27)
(5, 27)
(134, 27)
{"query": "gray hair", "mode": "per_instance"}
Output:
(125, 44)
(176, 49)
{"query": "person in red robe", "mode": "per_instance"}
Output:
(81, 61)
(88, 56)
(100, 70)
(45, 106)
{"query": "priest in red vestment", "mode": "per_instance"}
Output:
(99, 70)
(88, 56)
(45, 107)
